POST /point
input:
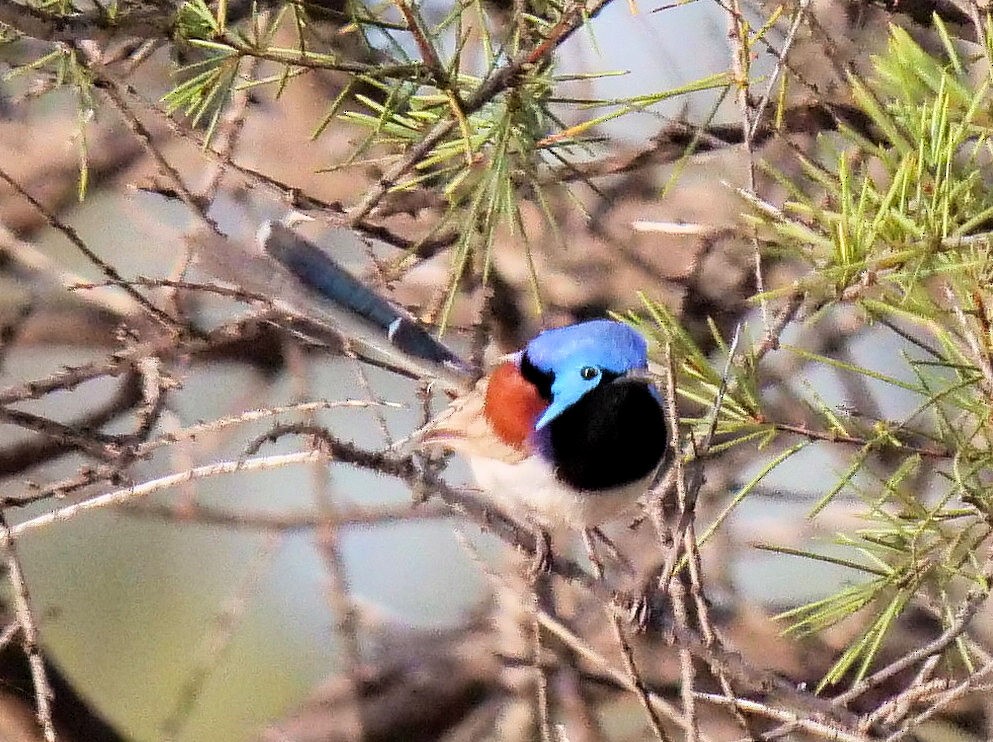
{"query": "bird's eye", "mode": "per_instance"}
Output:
(589, 373)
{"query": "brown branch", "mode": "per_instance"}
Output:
(73, 236)
(477, 511)
(523, 539)
(634, 675)
(412, 71)
(495, 83)
(91, 442)
(110, 88)
(43, 694)
(974, 600)
(949, 696)
(121, 360)
(267, 521)
(429, 55)
(88, 477)
(854, 440)
(672, 142)
(137, 19)
(333, 212)
(22, 456)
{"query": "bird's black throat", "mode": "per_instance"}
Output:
(615, 434)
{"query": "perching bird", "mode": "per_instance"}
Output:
(567, 432)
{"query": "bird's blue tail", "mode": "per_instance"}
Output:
(330, 284)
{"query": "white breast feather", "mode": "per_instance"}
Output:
(522, 486)
(529, 491)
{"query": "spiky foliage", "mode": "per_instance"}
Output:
(480, 129)
(896, 225)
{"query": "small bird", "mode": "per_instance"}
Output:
(568, 431)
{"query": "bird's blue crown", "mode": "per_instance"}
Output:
(602, 343)
(577, 356)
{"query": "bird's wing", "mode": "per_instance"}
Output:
(464, 427)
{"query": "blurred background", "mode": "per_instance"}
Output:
(266, 604)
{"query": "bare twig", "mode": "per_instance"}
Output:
(128, 494)
(627, 654)
(140, 20)
(263, 521)
(828, 731)
(494, 84)
(975, 599)
(29, 631)
(73, 236)
(942, 701)
(740, 56)
(686, 669)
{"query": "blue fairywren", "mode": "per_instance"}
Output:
(567, 432)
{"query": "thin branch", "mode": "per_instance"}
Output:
(812, 726)
(29, 631)
(891, 442)
(974, 600)
(137, 19)
(738, 30)
(328, 540)
(332, 212)
(495, 83)
(671, 142)
(110, 88)
(630, 665)
(129, 494)
(106, 268)
(71, 377)
(710, 636)
(429, 55)
(778, 69)
(687, 671)
(96, 444)
(364, 517)
(57, 438)
(970, 684)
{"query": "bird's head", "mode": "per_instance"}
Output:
(581, 398)
(557, 369)
(566, 363)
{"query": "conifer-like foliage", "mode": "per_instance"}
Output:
(484, 128)
(817, 203)
(893, 224)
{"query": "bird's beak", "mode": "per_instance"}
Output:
(640, 374)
